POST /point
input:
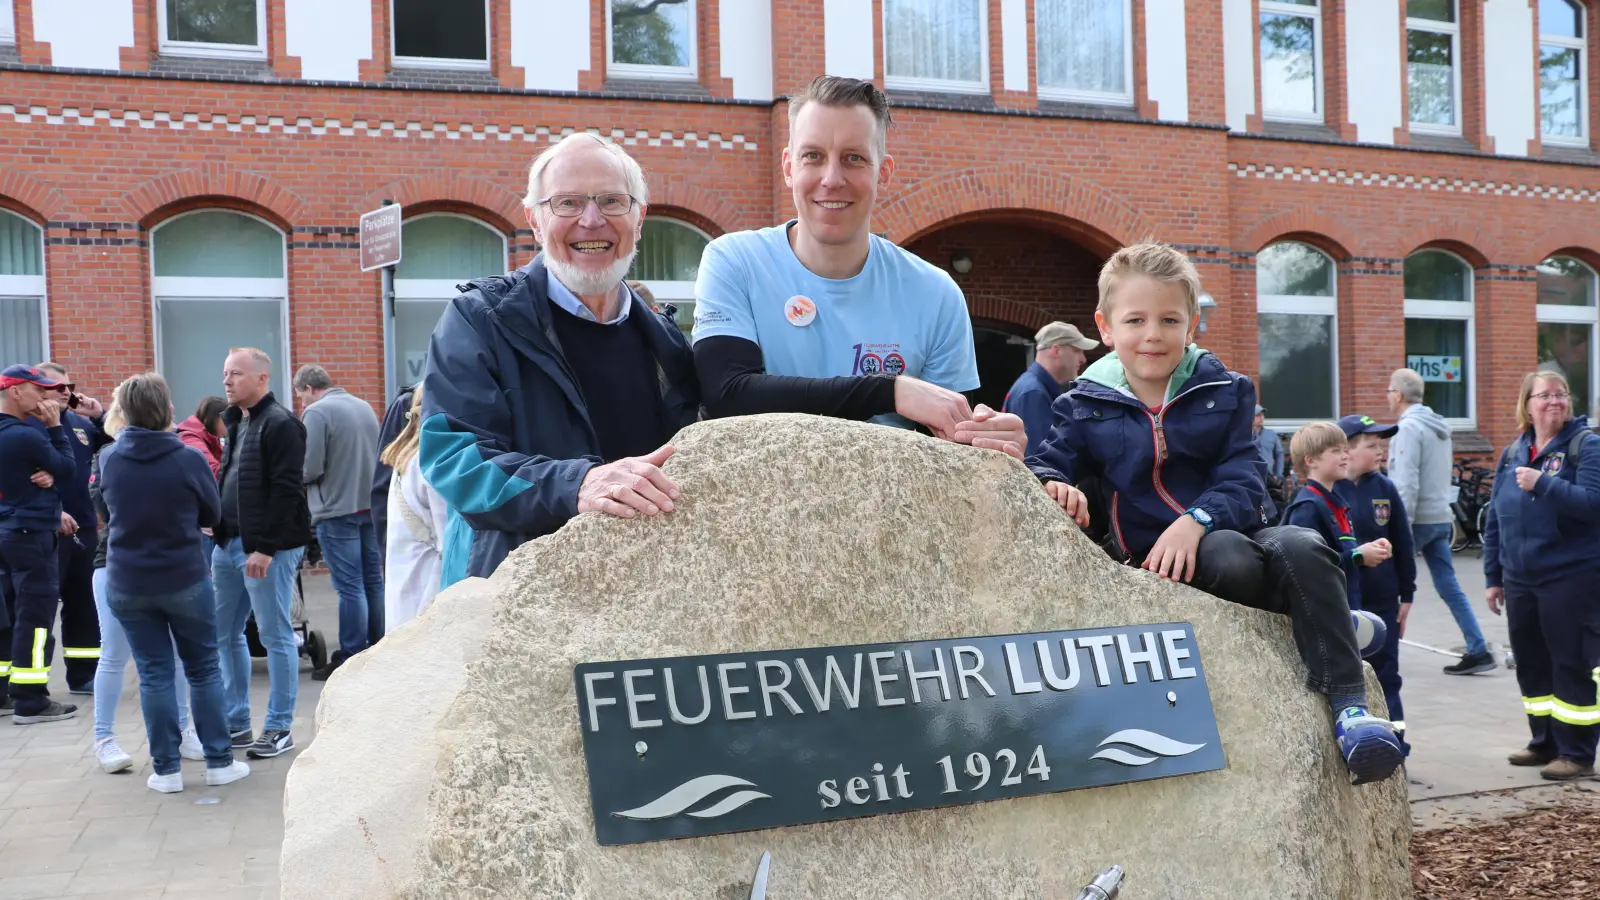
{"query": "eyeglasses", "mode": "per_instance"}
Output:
(1560, 395)
(572, 205)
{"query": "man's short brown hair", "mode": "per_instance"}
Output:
(1313, 440)
(837, 90)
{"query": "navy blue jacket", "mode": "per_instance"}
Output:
(1376, 511)
(1030, 398)
(158, 494)
(1308, 510)
(25, 450)
(507, 438)
(1199, 452)
(86, 438)
(1552, 532)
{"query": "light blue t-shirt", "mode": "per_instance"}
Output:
(901, 315)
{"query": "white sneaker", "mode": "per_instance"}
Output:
(166, 784)
(227, 774)
(190, 747)
(110, 756)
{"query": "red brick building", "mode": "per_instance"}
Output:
(1360, 181)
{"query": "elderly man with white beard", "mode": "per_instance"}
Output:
(554, 389)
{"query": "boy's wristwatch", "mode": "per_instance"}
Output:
(1201, 516)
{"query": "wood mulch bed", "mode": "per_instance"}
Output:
(1548, 852)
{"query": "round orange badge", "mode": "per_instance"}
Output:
(800, 311)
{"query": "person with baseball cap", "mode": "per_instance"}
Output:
(1058, 357)
(30, 517)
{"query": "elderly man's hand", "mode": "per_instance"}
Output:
(629, 486)
(928, 404)
(993, 431)
(42, 479)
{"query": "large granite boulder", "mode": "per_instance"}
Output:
(448, 760)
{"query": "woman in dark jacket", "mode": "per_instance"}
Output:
(159, 495)
(1540, 564)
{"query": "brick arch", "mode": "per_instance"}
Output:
(174, 189)
(477, 213)
(1471, 243)
(674, 195)
(30, 197)
(1581, 241)
(1307, 224)
(927, 205)
(1003, 309)
(496, 204)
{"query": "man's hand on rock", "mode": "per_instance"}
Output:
(1175, 551)
(993, 431)
(927, 404)
(1070, 499)
(629, 486)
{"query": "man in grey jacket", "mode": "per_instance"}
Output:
(1419, 465)
(341, 451)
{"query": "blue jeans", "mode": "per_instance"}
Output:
(350, 545)
(114, 655)
(153, 622)
(1433, 541)
(238, 596)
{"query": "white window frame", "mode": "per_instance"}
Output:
(1579, 44)
(206, 50)
(1102, 98)
(1455, 311)
(430, 290)
(1314, 13)
(179, 288)
(942, 85)
(434, 62)
(1453, 29)
(8, 22)
(1307, 306)
(1555, 313)
(32, 287)
(690, 72)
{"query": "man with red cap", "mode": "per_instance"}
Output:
(30, 517)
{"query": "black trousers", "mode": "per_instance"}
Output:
(1555, 634)
(1386, 662)
(1290, 570)
(29, 583)
(80, 621)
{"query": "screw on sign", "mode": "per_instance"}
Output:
(380, 238)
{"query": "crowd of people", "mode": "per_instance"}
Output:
(555, 390)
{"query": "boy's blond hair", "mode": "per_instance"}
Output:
(1158, 261)
(1313, 440)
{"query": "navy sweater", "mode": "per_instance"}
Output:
(1553, 531)
(1310, 509)
(159, 494)
(1376, 511)
(25, 450)
(86, 438)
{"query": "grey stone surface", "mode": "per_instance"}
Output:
(798, 531)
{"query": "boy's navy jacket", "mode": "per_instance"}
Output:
(1553, 531)
(506, 435)
(1198, 451)
(1376, 511)
(25, 450)
(1309, 509)
(159, 494)
(86, 438)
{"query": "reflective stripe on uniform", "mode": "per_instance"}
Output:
(41, 636)
(80, 652)
(39, 672)
(1576, 715)
(30, 676)
(1539, 706)
(5, 669)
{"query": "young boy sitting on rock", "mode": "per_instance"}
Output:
(1162, 431)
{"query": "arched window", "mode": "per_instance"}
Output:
(1297, 312)
(438, 252)
(1439, 334)
(1567, 318)
(668, 263)
(219, 282)
(24, 322)
(1563, 72)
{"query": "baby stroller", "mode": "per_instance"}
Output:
(311, 643)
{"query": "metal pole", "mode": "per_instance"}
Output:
(391, 387)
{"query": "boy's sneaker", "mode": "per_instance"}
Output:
(227, 774)
(110, 756)
(243, 739)
(1368, 744)
(1472, 664)
(189, 747)
(270, 744)
(1371, 633)
(166, 784)
(55, 712)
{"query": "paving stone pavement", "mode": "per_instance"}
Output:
(69, 830)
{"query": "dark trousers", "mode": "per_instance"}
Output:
(1289, 570)
(1555, 634)
(1386, 662)
(29, 581)
(80, 622)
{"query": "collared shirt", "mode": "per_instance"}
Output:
(567, 300)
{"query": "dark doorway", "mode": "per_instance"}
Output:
(1001, 358)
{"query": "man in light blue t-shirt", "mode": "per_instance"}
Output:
(820, 316)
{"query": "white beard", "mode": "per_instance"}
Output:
(587, 282)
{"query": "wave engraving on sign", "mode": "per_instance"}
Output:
(1148, 741)
(691, 792)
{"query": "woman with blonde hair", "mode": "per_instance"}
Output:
(1540, 564)
(414, 564)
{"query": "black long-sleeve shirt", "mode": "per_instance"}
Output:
(734, 382)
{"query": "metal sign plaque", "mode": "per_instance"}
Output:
(380, 237)
(700, 745)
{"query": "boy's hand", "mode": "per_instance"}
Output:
(1376, 553)
(1173, 556)
(1070, 499)
(1400, 619)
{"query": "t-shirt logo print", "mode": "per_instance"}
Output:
(800, 311)
(1380, 512)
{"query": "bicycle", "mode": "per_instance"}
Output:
(1470, 510)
